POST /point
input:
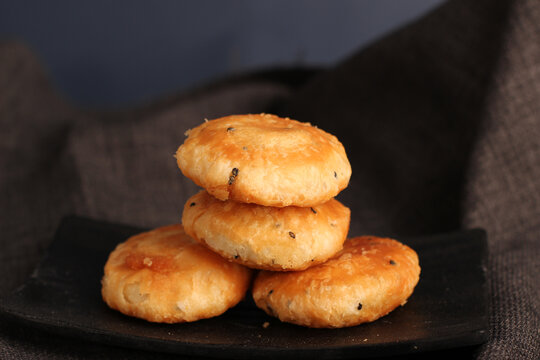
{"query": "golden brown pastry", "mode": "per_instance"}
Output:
(366, 280)
(165, 276)
(266, 160)
(289, 238)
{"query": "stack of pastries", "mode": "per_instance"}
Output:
(268, 204)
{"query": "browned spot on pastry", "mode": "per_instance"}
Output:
(157, 263)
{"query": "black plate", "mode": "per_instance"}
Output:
(448, 308)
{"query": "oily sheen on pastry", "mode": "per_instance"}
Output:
(165, 276)
(366, 280)
(261, 237)
(265, 159)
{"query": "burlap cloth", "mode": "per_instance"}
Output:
(441, 121)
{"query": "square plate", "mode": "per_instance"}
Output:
(448, 308)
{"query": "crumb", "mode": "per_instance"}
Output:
(265, 324)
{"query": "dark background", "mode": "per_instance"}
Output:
(113, 53)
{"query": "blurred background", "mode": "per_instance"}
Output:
(109, 54)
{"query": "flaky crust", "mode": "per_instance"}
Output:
(165, 276)
(366, 280)
(289, 238)
(266, 160)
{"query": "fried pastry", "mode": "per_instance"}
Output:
(261, 237)
(370, 277)
(165, 276)
(266, 160)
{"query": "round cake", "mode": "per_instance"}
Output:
(367, 279)
(261, 237)
(266, 160)
(165, 276)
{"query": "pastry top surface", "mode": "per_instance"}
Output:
(265, 159)
(165, 276)
(261, 237)
(367, 279)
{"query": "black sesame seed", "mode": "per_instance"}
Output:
(244, 148)
(232, 178)
(230, 129)
(192, 204)
(270, 292)
(335, 174)
(291, 234)
(359, 306)
(236, 256)
(392, 262)
(313, 210)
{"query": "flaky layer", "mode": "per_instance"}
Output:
(266, 160)
(366, 280)
(288, 238)
(165, 276)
